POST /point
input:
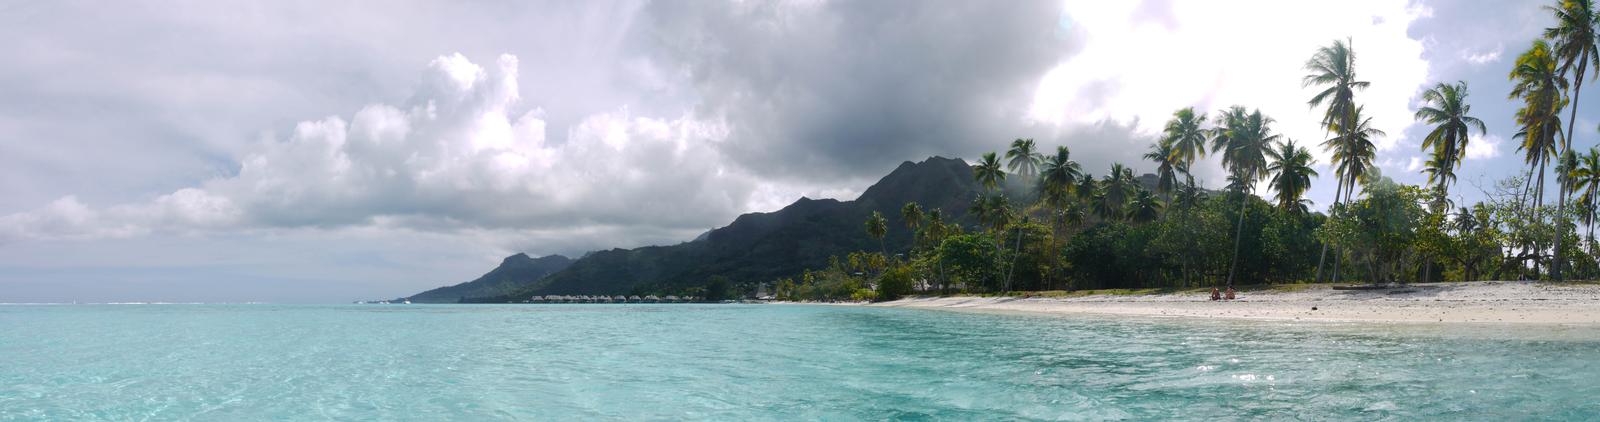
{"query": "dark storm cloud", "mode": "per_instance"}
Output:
(836, 90)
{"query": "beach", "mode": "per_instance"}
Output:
(1465, 302)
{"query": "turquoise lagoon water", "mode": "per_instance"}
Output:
(754, 362)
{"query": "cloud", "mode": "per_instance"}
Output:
(1138, 71)
(838, 92)
(1483, 147)
(1484, 57)
(461, 155)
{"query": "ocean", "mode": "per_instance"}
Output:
(766, 362)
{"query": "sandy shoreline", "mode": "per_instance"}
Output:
(1474, 302)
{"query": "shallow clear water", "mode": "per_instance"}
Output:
(743, 362)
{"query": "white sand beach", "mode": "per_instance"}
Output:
(1471, 302)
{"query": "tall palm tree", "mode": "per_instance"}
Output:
(1586, 179)
(1576, 49)
(1117, 187)
(877, 227)
(1187, 136)
(1538, 83)
(1087, 188)
(1059, 177)
(1334, 67)
(912, 214)
(1291, 174)
(1445, 106)
(1144, 207)
(1023, 159)
(1168, 162)
(1354, 151)
(988, 172)
(1243, 140)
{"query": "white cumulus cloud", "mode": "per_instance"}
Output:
(1138, 69)
(460, 155)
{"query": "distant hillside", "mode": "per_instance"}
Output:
(766, 246)
(515, 273)
(759, 247)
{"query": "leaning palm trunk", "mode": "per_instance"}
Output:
(1244, 201)
(1561, 207)
(1322, 257)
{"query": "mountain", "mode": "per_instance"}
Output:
(514, 273)
(759, 247)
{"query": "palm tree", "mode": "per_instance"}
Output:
(877, 227)
(1291, 174)
(1144, 207)
(1243, 140)
(1023, 159)
(1586, 178)
(1087, 188)
(1353, 152)
(1575, 48)
(1333, 66)
(1167, 164)
(1059, 176)
(1445, 106)
(988, 172)
(912, 214)
(1117, 186)
(1187, 137)
(1538, 83)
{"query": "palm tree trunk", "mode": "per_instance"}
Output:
(1238, 233)
(1324, 255)
(1566, 147)
(1538, 202)
(1013, 267)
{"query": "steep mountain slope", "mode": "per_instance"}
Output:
(515, 273)
(766, 246)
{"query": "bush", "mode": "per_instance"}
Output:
(864, 295)
(894, 283)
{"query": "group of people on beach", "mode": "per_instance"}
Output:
(1216, 295)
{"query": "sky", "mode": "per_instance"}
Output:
(328, 151)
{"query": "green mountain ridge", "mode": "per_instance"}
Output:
(513, 274)
(761, 247)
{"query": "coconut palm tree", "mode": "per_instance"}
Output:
(1243, 140)
(877, 227)
(1118, 186)
(911, 213)
(1023, 159)
(1059, 177)
(1538, 83)
(1087, 188)
(1291, 174)
(1167, 164)
(1445, 106)
(1354, 151)
(1575, 49)
(1144, 207)
(1333, 67)
(1187, 136)
(988, 172)
(1586, 179)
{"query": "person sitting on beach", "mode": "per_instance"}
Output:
(1215, 295)
(1230, 293)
